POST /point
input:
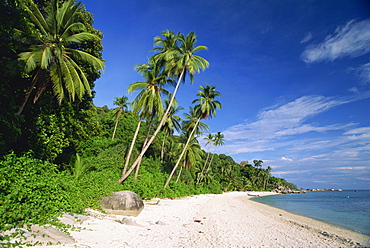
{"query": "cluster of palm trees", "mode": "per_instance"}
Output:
(175, 59)
(55, 58)
(211, 140)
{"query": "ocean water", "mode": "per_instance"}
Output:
(348, 208)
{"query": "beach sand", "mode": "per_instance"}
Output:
(226, 220)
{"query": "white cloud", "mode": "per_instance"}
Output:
(363, 178)
(307, 38)
(351, 168)
(350, 40)
(361, 130)
(286, 159)
(287, 119)
(363, 72)
(354, 90)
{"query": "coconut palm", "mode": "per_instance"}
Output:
(122, 105)
(217, 141)
(53, 56)
(192, 122)
(148, 102)
(179, 61)
(204, 110)
(209, 141)
(192, 155)
(171, 124)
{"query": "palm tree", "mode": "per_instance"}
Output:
(205, 110)
(209, 141)
(172, 123)
(191, 156)
(122, 105)
(217, 141)
(267, 174)
(149, 100)
(53, 56)
(179, 61)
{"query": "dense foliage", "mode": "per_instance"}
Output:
(63, 154)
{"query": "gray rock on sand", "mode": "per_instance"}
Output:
(125, 203)
(54, 234)
(68, 219)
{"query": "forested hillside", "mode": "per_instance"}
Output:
(60, 153)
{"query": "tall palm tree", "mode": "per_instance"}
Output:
(179, 61)
(205, 110)
(149, 99)
(217, 141)
(122, 105)
(171, 124)
(53, 56)
(267, 176)
(191, 156)
(209, 141)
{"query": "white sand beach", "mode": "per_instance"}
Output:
(227, 220)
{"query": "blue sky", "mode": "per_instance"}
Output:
(294, 77)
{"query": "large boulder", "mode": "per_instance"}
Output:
(123, 203)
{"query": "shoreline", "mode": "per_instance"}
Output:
(317, 225)
(227, 220)
(328, 222)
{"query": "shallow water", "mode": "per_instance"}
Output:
(347, 208)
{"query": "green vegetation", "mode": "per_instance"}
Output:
(63, 154)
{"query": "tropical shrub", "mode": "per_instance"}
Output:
(34, 191)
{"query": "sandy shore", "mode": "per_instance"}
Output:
(227, 220)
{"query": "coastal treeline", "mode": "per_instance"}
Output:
(60, 153)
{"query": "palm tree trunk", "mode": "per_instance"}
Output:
(162, 150)
(28, 93)
(145, 141)
(124, 176)
(182, 154)
(131, 147)
(205, 164)
(178, 176)
(210, 162)
(115, 126)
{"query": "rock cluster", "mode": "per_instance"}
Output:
(285, 190)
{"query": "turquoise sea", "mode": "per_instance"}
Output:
(347, 208)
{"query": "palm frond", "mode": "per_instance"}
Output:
(86, 57)
(46, 57)
(35, 15)
(81, 37)
(73, 28)
(57, 82)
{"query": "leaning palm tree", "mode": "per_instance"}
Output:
(191, 156)
(205, 110)
(122, 105)
(218, 141)
(179, 61)
(171, 124)
(209, 140)
(149, 99)
(52, 56)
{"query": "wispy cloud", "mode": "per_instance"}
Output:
(307, 38)
(363, 178)
(288, 119)
(363, 72)
(286, 159)
(350, 40)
